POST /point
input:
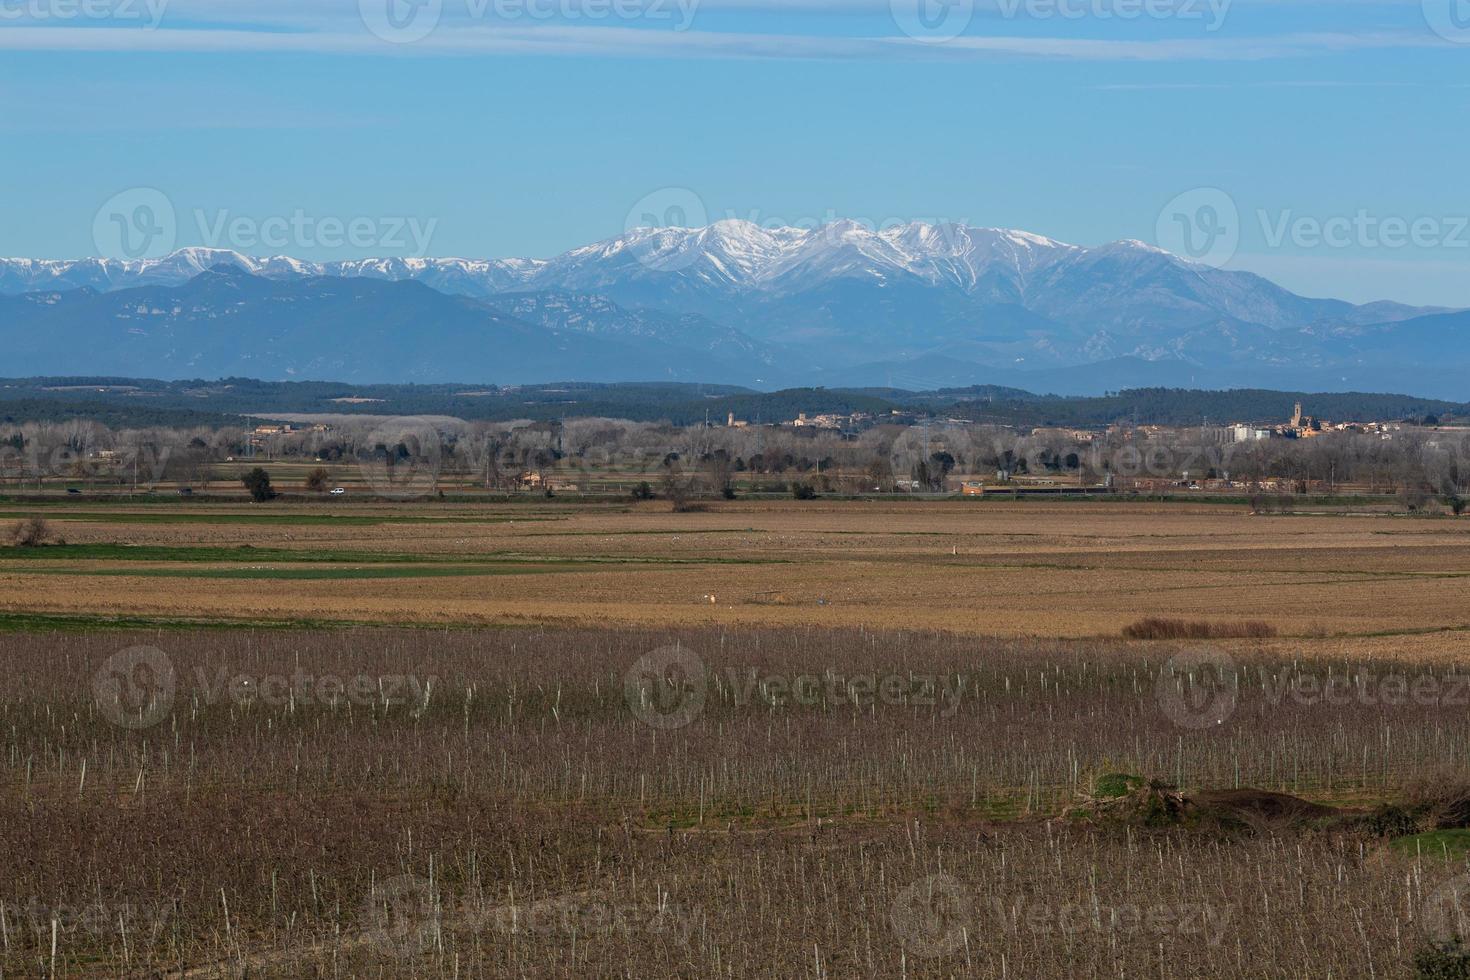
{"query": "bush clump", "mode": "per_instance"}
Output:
(1442, 961)
(33, 532)
(258, 483)
(1154, 628)
(1113, 785)
(1123, 798)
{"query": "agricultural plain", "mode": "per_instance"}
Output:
(797, 738)
(995, 568)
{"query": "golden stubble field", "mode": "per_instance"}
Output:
(1056, 569)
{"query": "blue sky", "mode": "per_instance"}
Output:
(499, 132)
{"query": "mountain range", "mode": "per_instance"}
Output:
(918, 305)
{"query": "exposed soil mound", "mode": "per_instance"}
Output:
(1260, 809)
(1119, 798)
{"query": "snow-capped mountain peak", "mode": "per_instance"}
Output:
(837, 295)
(731, 253)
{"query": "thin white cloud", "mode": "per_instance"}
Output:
(1236, 86)
(548, 39)
(346, 16)
(1214, 48)
(280, 11)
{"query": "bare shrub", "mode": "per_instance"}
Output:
(1414, 499)
(1155, 628)
(319, 480)
(33, 532)
(1442, 801)
(679, 491)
